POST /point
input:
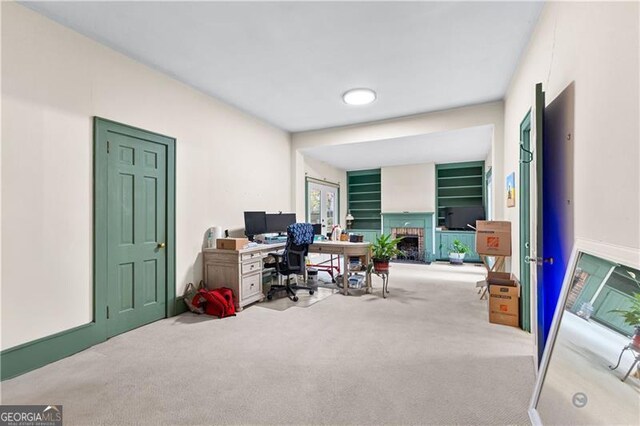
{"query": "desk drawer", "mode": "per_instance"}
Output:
(249, 267)
(249, 256)
(251, 285)
(327, 250)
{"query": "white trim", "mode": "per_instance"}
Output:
(321, 181)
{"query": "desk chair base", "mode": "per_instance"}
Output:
(290, 289)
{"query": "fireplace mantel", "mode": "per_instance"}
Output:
(424, 220)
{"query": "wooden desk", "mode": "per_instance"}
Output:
(240, 270)
(345, 249)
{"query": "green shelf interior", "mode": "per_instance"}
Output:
(363, 198)
(459, 185)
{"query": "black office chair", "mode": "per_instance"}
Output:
(292, 260)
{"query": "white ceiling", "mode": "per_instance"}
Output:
(289, 63)
(453, 146)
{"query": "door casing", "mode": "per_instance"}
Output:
(102, 129)
(525, 221)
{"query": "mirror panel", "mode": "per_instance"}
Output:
(592, 374)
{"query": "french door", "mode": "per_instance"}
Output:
(323, 204)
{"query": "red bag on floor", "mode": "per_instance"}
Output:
(219, 302)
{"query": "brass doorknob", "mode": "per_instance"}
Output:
(161, 245)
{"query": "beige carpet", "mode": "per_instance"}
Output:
(424, 355)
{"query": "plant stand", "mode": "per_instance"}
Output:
(636, 353)
(483, 286)
(385, 282)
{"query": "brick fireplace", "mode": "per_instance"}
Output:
(412, 244)
(417, 228)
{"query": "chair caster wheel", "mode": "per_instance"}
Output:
(269, 297)
(295, 298)
(311, 291)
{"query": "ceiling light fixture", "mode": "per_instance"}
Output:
(359, 96)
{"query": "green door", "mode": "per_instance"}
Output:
(136, 232)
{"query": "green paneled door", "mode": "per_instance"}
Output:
(607, 301)
(136, 242)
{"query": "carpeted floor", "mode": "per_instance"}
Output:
(424, 355)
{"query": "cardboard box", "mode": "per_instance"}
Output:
(231, 243)
(504, 302)
(493, 238)
(502, 278)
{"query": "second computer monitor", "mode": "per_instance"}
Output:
(278, 222)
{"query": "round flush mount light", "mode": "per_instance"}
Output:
(359, 96)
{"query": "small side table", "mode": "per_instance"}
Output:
(636, 353)
(385, 282)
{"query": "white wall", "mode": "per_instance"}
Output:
(409, 188)
(453, 119)
(597, 46)
(53, 82)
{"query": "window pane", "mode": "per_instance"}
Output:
(331, 208)
(314, 205)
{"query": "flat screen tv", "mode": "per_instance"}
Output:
(461, 217)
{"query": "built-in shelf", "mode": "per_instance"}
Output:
(459, 196)
(458, 177)
(364, 197)
(364, 184)
(461, 186)
(458, 185)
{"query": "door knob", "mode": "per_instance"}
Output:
(161, 245)
(539, 260)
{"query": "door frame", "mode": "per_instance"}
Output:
(307, 180)
(102, 127)
(525, 220)
(488, 204)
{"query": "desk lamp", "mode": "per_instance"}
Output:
(349, 219)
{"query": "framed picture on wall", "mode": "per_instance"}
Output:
(511, 190)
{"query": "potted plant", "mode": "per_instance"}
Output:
(457, 251)
(384, 248)
(631, 316)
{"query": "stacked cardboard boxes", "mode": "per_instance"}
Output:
(504, 299)
(493, 238)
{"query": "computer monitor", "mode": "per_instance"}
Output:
(278, 222)
(255, 223)
(317, 229)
